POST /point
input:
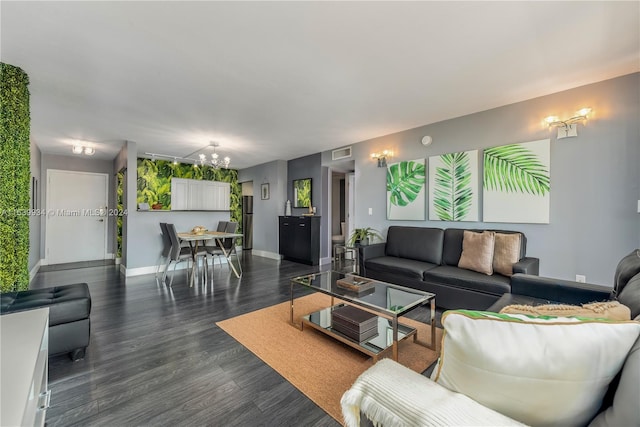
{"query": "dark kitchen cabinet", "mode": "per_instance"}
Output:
(300, 239)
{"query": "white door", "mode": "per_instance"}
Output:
(76, 225)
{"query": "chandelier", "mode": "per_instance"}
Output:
(216, 162)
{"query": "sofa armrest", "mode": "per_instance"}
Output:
(557, 290)
(368, 252)
(527, 265)
(391, 394)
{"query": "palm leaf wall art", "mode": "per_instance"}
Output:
(453, 185)
(405, 190)
(517, 183)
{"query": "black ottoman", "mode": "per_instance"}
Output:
(69, 309)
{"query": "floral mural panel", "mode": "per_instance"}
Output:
(154, 183)
(517, 183)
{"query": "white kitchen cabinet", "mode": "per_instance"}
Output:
(200, 195)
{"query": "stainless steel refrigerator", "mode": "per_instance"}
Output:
(247, 222)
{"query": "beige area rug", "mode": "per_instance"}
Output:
(319, 366)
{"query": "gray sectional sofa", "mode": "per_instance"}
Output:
(427, 259)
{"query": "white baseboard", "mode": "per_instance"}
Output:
(34, 270)
(327, 260)
(266, 254)
(151, 269)
(139, 271)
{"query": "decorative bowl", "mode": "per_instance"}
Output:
(198, 230)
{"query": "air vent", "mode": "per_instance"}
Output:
(341, 153)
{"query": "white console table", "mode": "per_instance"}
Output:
(24, 396)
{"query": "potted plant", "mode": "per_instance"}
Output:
(362, 236)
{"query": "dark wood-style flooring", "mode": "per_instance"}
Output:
(157, 358)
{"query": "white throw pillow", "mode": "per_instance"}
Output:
(542, 371)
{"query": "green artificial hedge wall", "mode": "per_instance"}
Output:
(15, 174)
(120, 207)
(154, 183)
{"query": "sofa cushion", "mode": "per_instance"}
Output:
(630, 295)
(467, 279)
(401, 266)
(452, 248)
(418, 243)
(477, 251)
(506, 252)
(537, 370)
(625, 410)
(512, 299)
(627, 268)
(66, 303)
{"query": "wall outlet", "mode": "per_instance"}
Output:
(581, 278)
(370, 211)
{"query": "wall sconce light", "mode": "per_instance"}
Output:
(568, 128)
(80, 149)
(382, 158)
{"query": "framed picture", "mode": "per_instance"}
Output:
(264, 191)
(302, 193)
(34, 192)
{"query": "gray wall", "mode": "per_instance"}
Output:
(142, 239)
(35, 227)
(78, 164)
(311, 167)
(305, 167)
(595, 177)
(266, 212)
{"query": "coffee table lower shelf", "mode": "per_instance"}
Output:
(374, 346)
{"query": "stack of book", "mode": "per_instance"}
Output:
(356, 324)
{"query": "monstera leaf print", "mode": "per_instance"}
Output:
(404, 182)
(516, 169)
(453, 195)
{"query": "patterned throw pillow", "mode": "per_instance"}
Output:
(477, 251)
(611, 310)
(537, 370)
(506, 252)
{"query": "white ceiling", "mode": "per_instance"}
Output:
(280, 80)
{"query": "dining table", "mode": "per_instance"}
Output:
(194, 240)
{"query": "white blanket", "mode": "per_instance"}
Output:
(390, 394)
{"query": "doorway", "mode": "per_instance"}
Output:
(77, 216)
(341, 204)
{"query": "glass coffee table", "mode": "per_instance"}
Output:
(386, 301)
